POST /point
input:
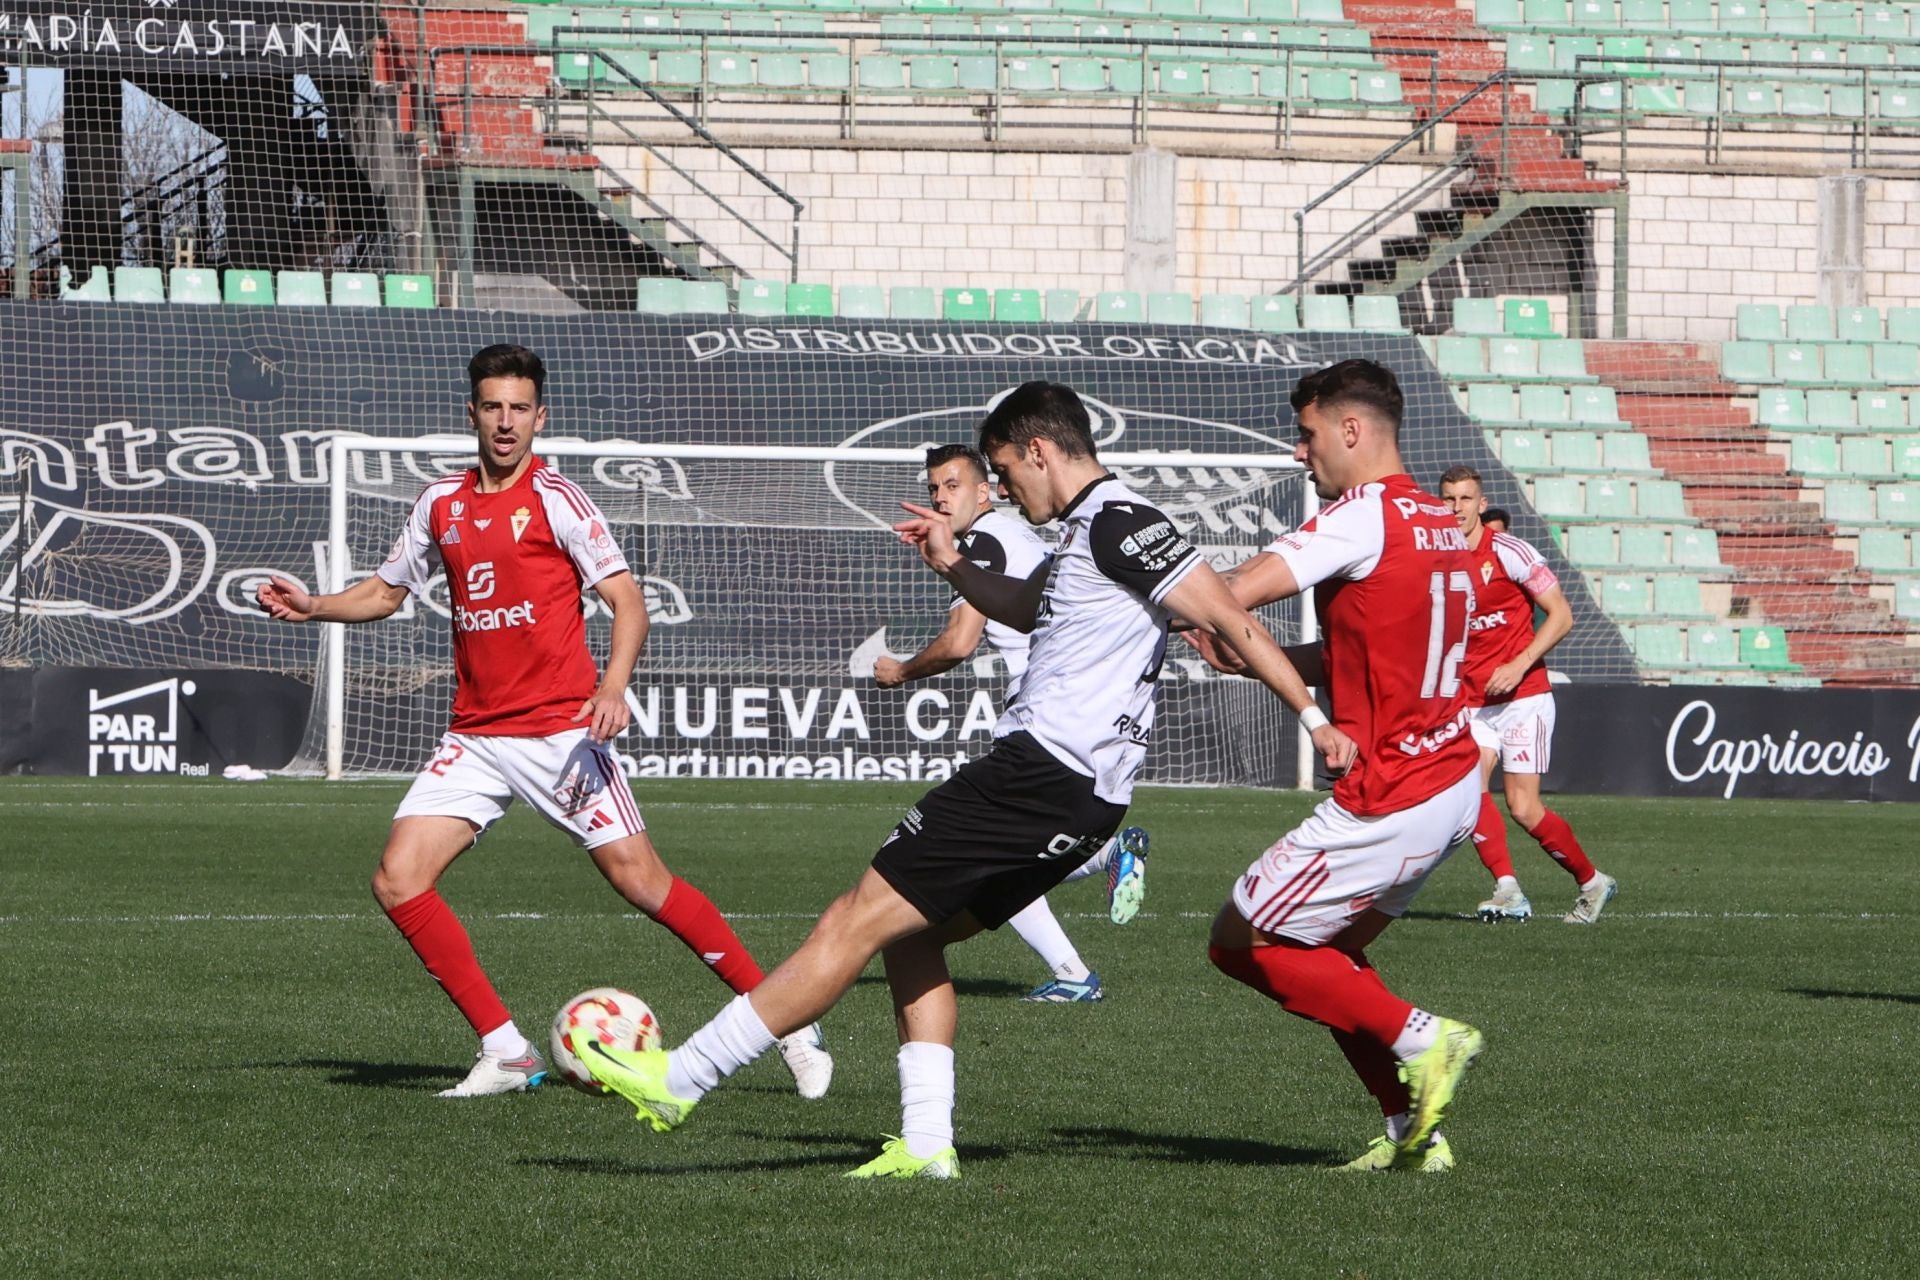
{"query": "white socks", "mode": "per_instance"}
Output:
(1097, 864)
(735, 1037)
(926, 1097)
(1506, 884)
(505, 1042)
(1038, 929)
(1397, 1126)
(1417, 1036)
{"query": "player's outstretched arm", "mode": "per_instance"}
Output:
(605, 713)
(1013, 601)
(1552, 630)
(1206, 600)
(959, 638)
(368, 600)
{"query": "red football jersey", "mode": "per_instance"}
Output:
(1507, 576)
(516, 563)
(1393, 585)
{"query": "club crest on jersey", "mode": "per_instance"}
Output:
(1486, 573)
(481, 525)
(521, 519)
(450, 537)
(456, 509)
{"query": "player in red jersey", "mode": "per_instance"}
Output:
(1391, 578)
(519, 544)
(1513, 705)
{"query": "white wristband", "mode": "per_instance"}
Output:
(1312, 718)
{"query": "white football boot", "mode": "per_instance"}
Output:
(808, 1059)
(493, 1074)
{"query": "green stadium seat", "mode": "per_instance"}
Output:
(1712, 646)
(1849, 504)
(1595, 13)
(729, 68)
(933, 73)
(1558, 497)
(1595, 405)
(1544, 405)
(1836, 17)
(1577, 451)
(1903, 325)
(98, 288)
(1858, 324)
(863, 301)
(1757, 322)
(1544, 13)
(1231, 80)
(978, 72)
(763, 298)
(1866, 458)
(1656, 99)
(1783, 409)
(809, 299)
(1830, 410)
(1755, 98)
(240, 288)
(1528, 318)
(1625, 597)
(1897, 363)
(1660, 645)
(1789, 17)
(1906, 457)
(1225, 310)
(1477, 317)
(1380, 88)
(1817, 456)
(1325, 313)
(1493, 402)
(407, 291)
(1678, 596)
(1696, 548)
(1497, 13)
(780, 71)
(1851, 364)
(1275, 313)
(355, 289)
(1740, 15)
(1035, 75)
(1897, 103)
(1330, 87)
(1660, 500)
(1527, 451)
(1513, 358)
(1643, 546)
(1898, 503)
(1881, 410)
(193, 286)
(1530, 53)
(658, 295)
(1169, 308)
(1063, 306)
(1182, 79)
(966, 304)
(704, 297)
(1746, 362)
(1626, 452)
(678, 67)
(1377, 313)
(1810, 324)
(1803, 101)
(1018, 306)
(1118, 307)
(1906, 600)
(1314, 13)
(1691, 15)
(1564, 360)
(1462, 359)
(1083, 75)
(1604, 98)
(1765, 649)
(1883, 22)
(831, 71)
(1608, 498)
(1591, 544)
(1797, 362)
(913, 302)
(301, 289)
(882, 71)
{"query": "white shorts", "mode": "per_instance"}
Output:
(1521, 731)
(1328, 870)
(572, 780)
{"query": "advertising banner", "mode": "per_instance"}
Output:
(189, 35)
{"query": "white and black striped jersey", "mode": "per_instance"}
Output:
(1101, 636)
(1001, 543)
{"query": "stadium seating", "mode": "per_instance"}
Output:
(408, 291)
(301, 289)
(355, 289)
(139, 284)
(98, 288)
(247, 288)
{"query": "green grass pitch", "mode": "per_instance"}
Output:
(219, 1059)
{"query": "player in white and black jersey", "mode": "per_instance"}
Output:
(1007, 827)
(958, 487)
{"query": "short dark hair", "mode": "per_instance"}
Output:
(1492, 514)
(1040, 411)
(1460, 475)
(505, 360)
(939, 455)
(1360, 382)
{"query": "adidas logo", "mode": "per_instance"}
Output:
(451, 536)
(599, 820)
(713, 957)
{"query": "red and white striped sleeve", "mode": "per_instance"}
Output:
(1345, 539)
(579, 527)
(1523, 563)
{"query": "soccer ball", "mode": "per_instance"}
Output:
(618, 1019)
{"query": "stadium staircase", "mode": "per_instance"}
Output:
(1786, 563)
(1510, 161)
(510, 197)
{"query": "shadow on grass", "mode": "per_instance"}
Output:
(1821, 993)
(963, 986)
(373, 1075)
(1181, 1148)
(836, 1151)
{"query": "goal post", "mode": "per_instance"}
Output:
(773, 580)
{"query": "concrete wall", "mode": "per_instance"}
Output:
(1700, 243)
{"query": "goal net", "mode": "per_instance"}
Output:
(773, 581)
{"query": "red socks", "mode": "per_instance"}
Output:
(690, 916)
(437, 937)
(1321, 984)
(1556, 837)
(1490, 837)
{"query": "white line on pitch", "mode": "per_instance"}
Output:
(514, 916)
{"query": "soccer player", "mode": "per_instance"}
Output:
(1496, 519)
(519, 544)
(1513, 717)
(1010, 825)
(1391, 578)
(958, 488)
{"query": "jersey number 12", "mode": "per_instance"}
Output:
(1443, 668)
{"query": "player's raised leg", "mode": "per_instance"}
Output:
(418, 850)
(1123, 860)
(1072, 981)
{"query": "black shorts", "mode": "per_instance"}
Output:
(998, 834)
